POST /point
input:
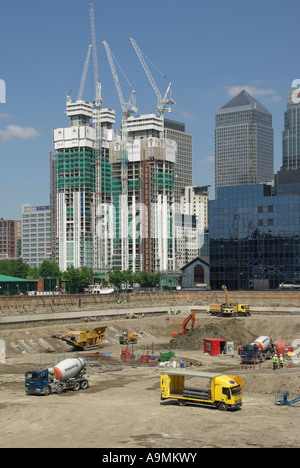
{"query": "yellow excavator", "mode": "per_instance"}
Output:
(127, 338)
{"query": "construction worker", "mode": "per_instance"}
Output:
(281, 361)
(275, 362)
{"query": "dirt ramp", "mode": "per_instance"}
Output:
(227, 329)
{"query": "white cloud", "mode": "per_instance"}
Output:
(187, 115)
(208, 160)
(5, 115)
(14, 131)
(235, 90)
(9, 189)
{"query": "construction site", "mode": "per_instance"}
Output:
(130, 352)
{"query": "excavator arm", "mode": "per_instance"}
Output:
(191, 318)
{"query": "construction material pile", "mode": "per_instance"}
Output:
(229, 330)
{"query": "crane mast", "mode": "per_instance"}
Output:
(98, 237)
(84, 73)
(127, 109)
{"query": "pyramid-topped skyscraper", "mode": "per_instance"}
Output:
(244, 153)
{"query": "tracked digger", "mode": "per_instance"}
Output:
(184, 329)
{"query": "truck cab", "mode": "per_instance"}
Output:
(223, 393)
(250, 354)
(36, 381)
(243, 310)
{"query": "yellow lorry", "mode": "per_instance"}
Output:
(229, 310)
(224, 391)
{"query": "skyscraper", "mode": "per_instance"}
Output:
(150, 179)
(254, 229)
(243, 143)
(151, 220)
(291, 133)
(184, 157)
(75, 183)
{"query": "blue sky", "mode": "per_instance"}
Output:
(208, 50)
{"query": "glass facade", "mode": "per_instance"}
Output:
(291, 134)
(243, 143)
(254, 237)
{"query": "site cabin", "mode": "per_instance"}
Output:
(225, 392)
(216, 346)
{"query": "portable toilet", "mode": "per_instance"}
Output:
(229, 348)
(214, 346)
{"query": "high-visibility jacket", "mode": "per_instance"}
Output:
(275, 359)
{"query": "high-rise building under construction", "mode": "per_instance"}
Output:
(151, 210)
(149, 199)
(75, 184)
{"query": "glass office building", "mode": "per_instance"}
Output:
(291, 133)
(255, 236)
(243, 143)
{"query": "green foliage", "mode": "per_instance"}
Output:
(77, 278)
(49, 269)
(116, 278)
(126, 278)
(16, 268)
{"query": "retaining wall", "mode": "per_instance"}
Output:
(258, 300)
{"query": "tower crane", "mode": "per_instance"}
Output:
(98, 238)
(84, 73)
(128, 108)
(162, 102)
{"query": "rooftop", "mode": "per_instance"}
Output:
(244, 99)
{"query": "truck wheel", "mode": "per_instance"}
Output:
(222, 406)
(84, 384)
(59, 388)
(76, 386)
(181, 402)
(47, 391)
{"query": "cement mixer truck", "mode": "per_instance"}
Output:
(261, 349)
(66, 375)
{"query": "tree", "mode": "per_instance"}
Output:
(146, 279)
(77, 278)
(116, 278)
(16, 268)
(49, 269)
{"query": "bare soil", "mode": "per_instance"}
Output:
(122, 406)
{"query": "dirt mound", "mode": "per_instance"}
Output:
(232, 330)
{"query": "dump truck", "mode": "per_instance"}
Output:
(228, 309)
(224, 391)
(83, 339)
(66, 375)
(127, 338)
